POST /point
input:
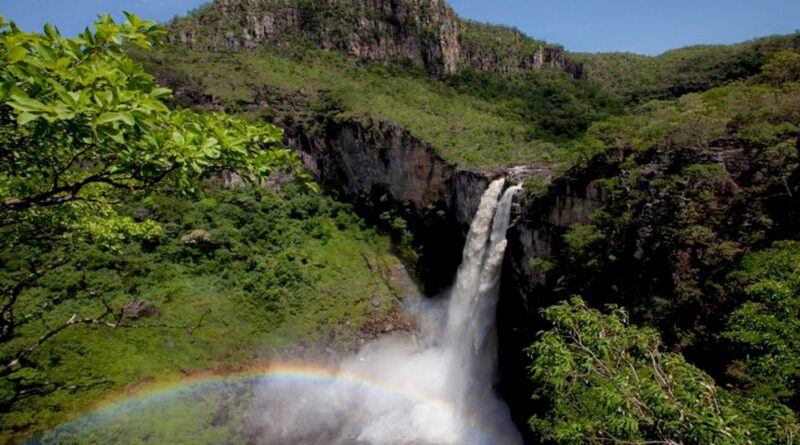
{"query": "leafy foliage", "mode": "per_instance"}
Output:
(303, 87)
(681, 71)
(783, 66)
(82, 129)
(81, 120)
(765, 329)
(690, 185)
(554, 105)
(608, 382)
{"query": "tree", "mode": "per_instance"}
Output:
(765, 329)
(783, 66)
(606, 382)
(82, 128)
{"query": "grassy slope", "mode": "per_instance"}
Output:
(278, 274)
(464, 128)
(475, 119)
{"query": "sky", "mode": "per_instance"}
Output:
(640, 26)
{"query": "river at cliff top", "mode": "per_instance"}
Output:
(433, 388)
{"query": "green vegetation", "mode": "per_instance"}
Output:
(695, 174)
(765, 329)
(120, 260)
(554, 106)
(608, 382)
(236, 277)
(681, 71)
(83, 127)
(692, 184)
(462, 126)
(124, 261)
(82, 121)
(504, 45)
(698, 153)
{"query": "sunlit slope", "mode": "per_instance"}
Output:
(464, 128)
(239, 277)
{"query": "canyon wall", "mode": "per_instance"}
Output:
(383, 169)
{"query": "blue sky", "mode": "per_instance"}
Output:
(642, 26)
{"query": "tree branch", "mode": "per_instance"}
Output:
(68, 193)
(7, 318)
(45, 388)
(74, 320)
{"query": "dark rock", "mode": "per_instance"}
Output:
(137, 309)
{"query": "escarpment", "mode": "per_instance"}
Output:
(426, 33)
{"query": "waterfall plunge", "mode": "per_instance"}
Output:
(436, 389)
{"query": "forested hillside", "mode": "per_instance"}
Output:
(681, 71)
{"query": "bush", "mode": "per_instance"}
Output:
(605, 381)
(765, 329)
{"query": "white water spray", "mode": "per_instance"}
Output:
(437, 390)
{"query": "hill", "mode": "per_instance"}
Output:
(681, 71)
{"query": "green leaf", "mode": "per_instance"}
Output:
(118, 138)
(161, 92)
(16, 53)
(116, 116)
(25, 118)
(178, 138)
(50, 31)
(23, 104)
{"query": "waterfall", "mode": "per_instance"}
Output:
(474, 296)
(469, 272)
(449, 370)
(471, 333)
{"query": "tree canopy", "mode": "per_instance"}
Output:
(82, 127)
(765, 328)
(606, 381)
(81, 121)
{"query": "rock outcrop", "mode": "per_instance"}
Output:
(426, 33)
(381, 167)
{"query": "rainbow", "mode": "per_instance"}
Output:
(163, 392)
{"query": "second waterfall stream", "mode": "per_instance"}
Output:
(436, 389)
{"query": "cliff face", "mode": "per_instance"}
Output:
(382, 167)
(428, 33)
